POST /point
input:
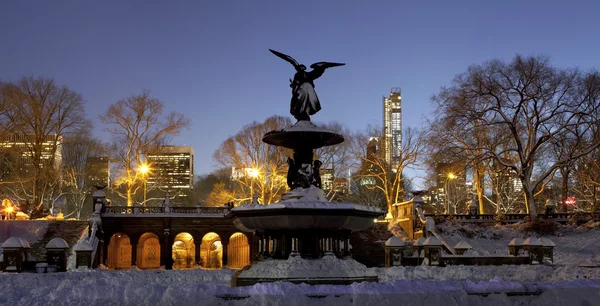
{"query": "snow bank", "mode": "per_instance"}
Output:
(298, 268)
(209, 287)
(574, 246)
(31, 230)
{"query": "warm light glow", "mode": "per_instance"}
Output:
(9, 209)
(571, 201)
(143, 169)
(451, 176)
(253, 172)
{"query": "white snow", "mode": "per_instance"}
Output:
(15, 243)
(532, 241)
(298, 268)
(573, 246)
(573, 279)
(307, 205)
(467, 286)
(516, 242)
(463, 245)
(310, 194)
(547, 242)
(31, 230)
(432, 241)
(57, 243)
(395, 242)
(305, 126)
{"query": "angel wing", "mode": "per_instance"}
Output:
(287, 58)
(325, 65)
(319, 68)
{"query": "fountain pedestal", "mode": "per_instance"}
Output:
(303, 238)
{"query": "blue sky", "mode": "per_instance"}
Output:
(209, 59)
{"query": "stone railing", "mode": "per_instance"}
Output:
(508, 218)
(142, 210)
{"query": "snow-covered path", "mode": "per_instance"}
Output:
(203, 287)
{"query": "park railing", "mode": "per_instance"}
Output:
(144, 210)
(508, 218)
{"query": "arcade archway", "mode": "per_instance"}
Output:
(238, 251)
(184, 251)
(148, 252)
(119, 252)
(211, 251)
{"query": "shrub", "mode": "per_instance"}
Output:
(538, 226)
(500, 218)
(578, 218)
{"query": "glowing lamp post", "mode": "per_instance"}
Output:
(144, 169)
(449, 176)
(8, 208)
(253, 173)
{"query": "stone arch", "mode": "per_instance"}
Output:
(238, 251)
(148, 251)
(183, 251)
(211, 251)
(119, 252)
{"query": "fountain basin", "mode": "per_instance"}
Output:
(298, 215)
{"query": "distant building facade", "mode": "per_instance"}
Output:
(392, 127)
(327, 179)
(172, 169)
(17, 155)
(451, 185)
(97, 171)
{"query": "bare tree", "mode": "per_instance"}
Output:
(587, 181)
(257, 168)
(533, 104)
(38, 113)
(338, 159)
(504, 195)
(137, 125)
(77, 151)
(379, 174)
(204, 185)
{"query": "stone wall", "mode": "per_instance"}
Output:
(39, 232)
(368, 245)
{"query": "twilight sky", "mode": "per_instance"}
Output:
(209, 59)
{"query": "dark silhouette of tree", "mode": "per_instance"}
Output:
(37, 113)
(138, 125)
(532, 104)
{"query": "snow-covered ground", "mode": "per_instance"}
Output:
(211, 287)
(575, 246)
(573, 279)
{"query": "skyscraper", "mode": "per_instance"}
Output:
(18, 152)
(172, 169)
(392, 127)
(97, 170)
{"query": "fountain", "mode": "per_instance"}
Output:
(304, 238)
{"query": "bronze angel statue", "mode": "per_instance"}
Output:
(304, 98)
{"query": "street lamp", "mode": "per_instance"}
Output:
(449, 176)
(252, 173)
(144, 169)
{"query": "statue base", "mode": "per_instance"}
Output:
(312, 194)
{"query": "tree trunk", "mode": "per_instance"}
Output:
(529, 201)
(129, 196)
(479, 188)
(565, 186)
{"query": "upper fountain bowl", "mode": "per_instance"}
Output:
(303, 134)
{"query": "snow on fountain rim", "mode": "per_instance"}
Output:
(299, 204)
(305, 126)
(297, 267)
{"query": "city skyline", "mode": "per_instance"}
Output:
(205, 60)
